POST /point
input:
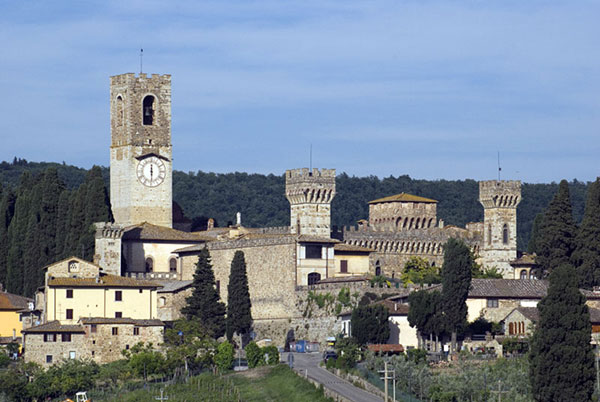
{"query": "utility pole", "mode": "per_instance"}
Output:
(388, 375)
(385, 378)
(161, 397)
(499, 392)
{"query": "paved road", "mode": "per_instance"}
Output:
(310, 362)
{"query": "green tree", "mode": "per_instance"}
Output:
(418, 270)
(7, 208)
(239, 316)
(561, 357)
(254, 355)
(370, 324)
(586, 256)
(556, 240)
(224, 356)
(456, 280)
(425, 313)
(204, 304)
(535, 233)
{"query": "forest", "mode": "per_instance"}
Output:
(47, 209)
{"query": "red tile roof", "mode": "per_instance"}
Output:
(103, 281)
(11, 302)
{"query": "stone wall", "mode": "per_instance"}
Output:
(36, 349)
(170, 308)
(400, 216)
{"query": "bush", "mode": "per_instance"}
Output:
(416, 355)
(330, 364)
(272, 355)
(254, 355)
(224, 356)
(4, 360)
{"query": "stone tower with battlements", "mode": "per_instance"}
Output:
(140, 150)
(499, 200)
(310, 193)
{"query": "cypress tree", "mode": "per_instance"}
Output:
(561, 357)
(96, 207)
(204, 305)
(51, 188)
(586, 256)
(74, 243)
(535, 233)
(556, 240)
(239, 317)
(61, 224)
(425, 313)
(7, 208)
(456, 280)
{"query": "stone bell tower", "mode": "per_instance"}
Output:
(499, 199)
(310, 193)
(140, 151)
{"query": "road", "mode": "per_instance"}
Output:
(310, 362)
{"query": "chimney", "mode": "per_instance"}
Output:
(238, 219)
(210, 224)
(14, 334)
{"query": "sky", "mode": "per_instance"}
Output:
(430, 89)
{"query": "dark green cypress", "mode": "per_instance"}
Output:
(535, 233)
(51, 188)
(425, 312)
(7, 209)
(96, 206)
(561, 357)
(586, 256)
(62, 224)
(456, 281)
(74, 242)
(370, 324)
(239, 316)
(204, 304)
(556, 240)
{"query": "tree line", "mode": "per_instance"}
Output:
(42, 221)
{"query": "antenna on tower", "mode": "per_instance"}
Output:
(499, 168)
(310, 158)
(141, 59)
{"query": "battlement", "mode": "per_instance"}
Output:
(305, 174)
(500, 193)
(141, 78)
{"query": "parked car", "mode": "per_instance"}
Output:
(329, 354)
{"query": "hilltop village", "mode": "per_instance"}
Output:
(145, 260)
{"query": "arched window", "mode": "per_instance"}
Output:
(120, 109)
(173, 264)
(377, 268)
(149, 264)
(505, 234)
(489, 235)
(524, 274)
(313, 278)
(148, 110)
(511, 328)
(162, 301)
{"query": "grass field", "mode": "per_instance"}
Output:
(277, 383)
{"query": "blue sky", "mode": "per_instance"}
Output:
(432, 89)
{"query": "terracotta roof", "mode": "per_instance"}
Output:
(395, 308)
(69, 259)
(174, 286)
(105, 280)
(594, 316)
(122, 320)
(532, 313)
(383, 347)
(342, 279)
(350, 247)
(316, 239)
(403, 197)
(508, 288)
(54, 326)
(5, 340)
(148, 231)
(9, 301)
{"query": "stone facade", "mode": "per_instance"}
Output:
(499, 244)
(140, 115)
(310, 193)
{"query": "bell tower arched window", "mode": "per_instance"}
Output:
(149, 264)
(173, 264)
(148, 110)
(505, 234)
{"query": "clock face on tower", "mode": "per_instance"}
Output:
(151, 171)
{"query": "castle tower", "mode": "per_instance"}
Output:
(310, 194)
(140, 151)
(499, 200)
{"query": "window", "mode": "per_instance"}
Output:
(218, 287)
(492, 303)
(48, 358)
(314, 251)
(313, 278)
(141, 290)
(115, 330)
(49, 337)
(377, 268)
(93, 353)
(489, 234)
(173, 264)
(524, 274)
(118, 295)
(149, 264)
(162, 301)
(118, 314)
(120, 111)
(93, 328)
(72, 355)
(69, 314)
(148, 110)
(505, 234)
(66, 337)
(136, 330)
(73, 266)
(344, 266)
(69, 293)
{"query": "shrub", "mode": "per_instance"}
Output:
(224, 356)
(254, 355)
(416, 355)
(272, 355)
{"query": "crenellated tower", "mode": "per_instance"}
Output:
(140, 151)
(500, 199)
(310, 193)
